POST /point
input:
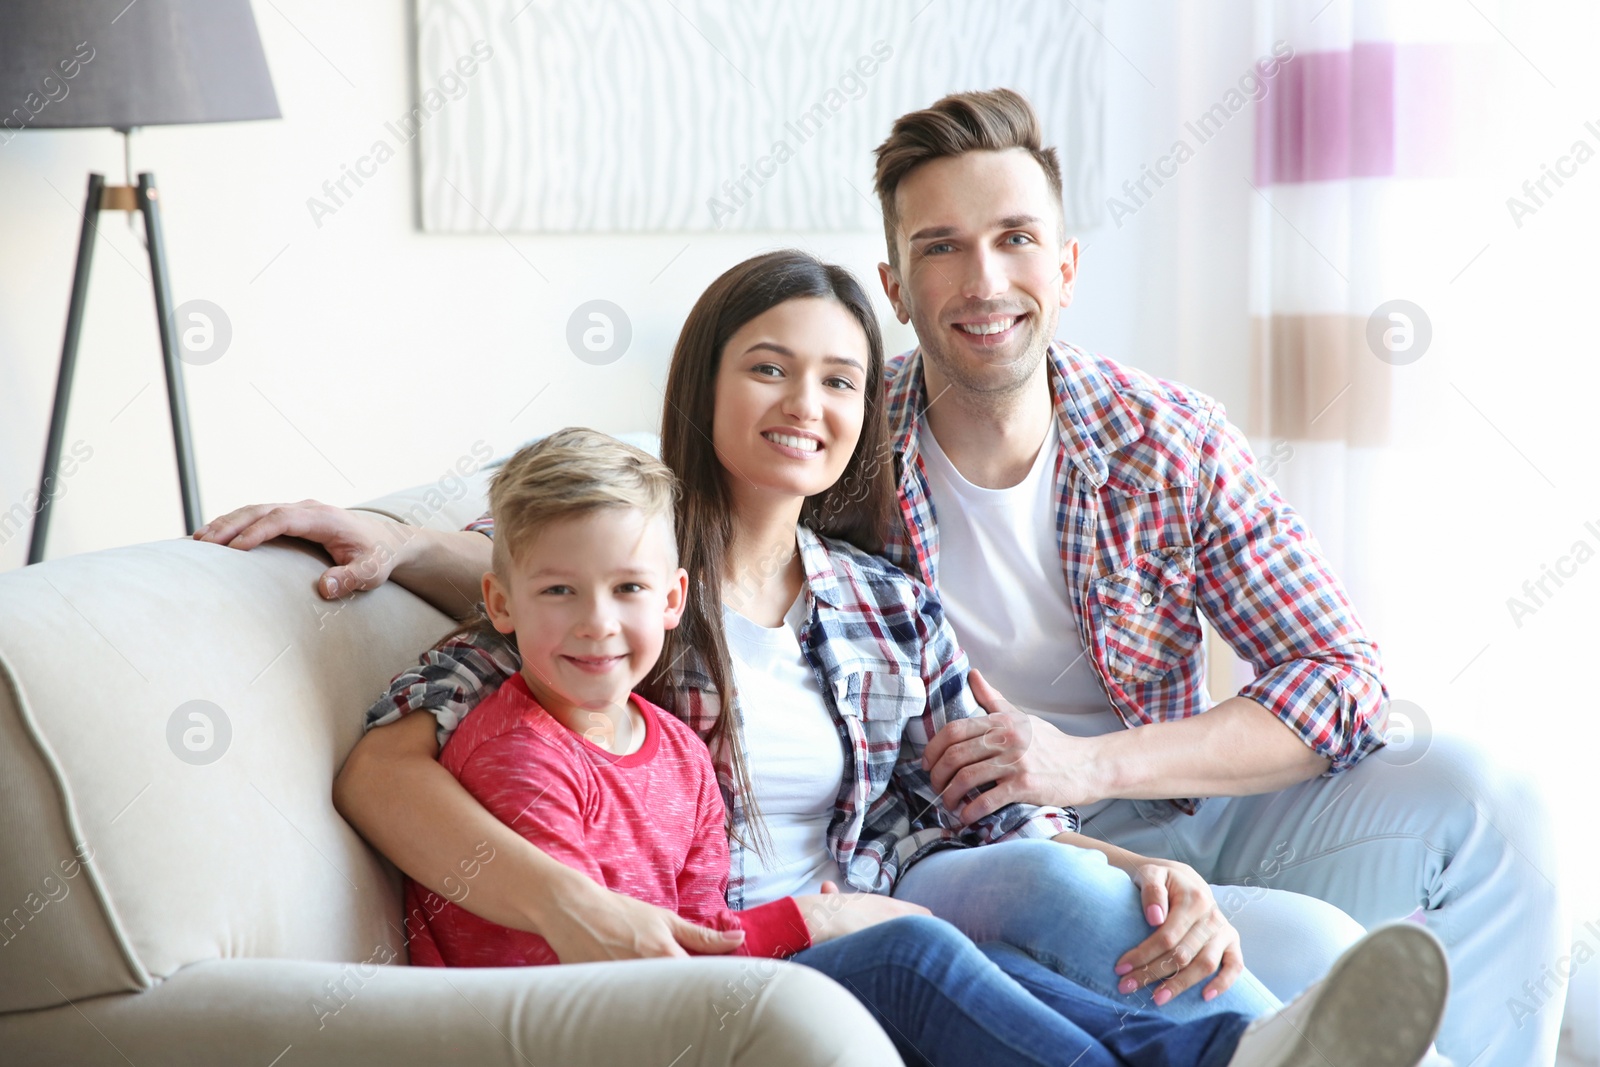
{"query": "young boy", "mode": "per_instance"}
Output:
(586, 578)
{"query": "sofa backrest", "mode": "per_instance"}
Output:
(171, 719)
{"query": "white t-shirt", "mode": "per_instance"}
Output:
(794, 753)
(1003, 589)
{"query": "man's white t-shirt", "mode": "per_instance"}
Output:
(1003, 589)
(793, 751)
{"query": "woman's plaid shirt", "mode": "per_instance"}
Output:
(1161, 514)
(891, 673)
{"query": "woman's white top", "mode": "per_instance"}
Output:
(794, 753)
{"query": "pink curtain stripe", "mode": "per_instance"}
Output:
(1373, 111)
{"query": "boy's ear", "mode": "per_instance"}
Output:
(677, 600)
(496, 603)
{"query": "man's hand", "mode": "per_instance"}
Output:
(611, 926)
(365, 548)
(832, 914)
(1192, 941)
(1029, 760)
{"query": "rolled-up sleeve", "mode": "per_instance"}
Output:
(1265, 584)
(448, 681)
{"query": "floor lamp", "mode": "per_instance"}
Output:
(109, 63)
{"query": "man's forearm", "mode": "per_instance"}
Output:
(1237, 748)
(443, 568)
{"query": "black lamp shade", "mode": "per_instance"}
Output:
(111, 63)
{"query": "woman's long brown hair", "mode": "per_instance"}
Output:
(858, 508)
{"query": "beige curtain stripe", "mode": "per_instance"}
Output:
(1313, 378)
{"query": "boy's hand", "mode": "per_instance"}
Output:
(611, 926)
(364, 547)
(832, 914)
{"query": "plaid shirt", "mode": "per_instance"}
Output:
(1161, 514)
(891, 673)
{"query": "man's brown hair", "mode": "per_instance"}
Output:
(989, 121)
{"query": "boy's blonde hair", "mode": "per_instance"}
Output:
(572, 472)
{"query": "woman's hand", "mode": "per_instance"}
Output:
(601, 925)
(1193, 939)
(832, 914)
(364, 547)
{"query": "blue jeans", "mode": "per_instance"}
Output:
(943, 1000)
(1067, 908)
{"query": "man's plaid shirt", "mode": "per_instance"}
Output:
(891, 673)
(1161, 514)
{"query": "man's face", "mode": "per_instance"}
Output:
(983, 271)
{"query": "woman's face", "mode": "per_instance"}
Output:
(791, 397)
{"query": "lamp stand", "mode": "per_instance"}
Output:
(144, 199)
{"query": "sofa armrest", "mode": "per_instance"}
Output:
(738, 1012)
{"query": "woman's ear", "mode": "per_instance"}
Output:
(497, 603)
(677, 600)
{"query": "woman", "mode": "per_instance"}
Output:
(774, 424)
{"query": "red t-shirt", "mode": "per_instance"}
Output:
(648, 824)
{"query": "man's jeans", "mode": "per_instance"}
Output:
(1450, 835)
(943, 1000)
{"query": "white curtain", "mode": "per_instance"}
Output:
(1358, 144)
(1429, 172)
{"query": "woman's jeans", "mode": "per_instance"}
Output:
(943, 1000)
(1067, 908)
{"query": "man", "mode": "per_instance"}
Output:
(1077, 516)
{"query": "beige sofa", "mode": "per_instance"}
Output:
(176, 887)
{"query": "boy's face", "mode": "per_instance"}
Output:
(590, 600)
(983, 272)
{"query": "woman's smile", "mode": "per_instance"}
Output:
(797, 444)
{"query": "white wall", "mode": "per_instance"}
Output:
(368, 356)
